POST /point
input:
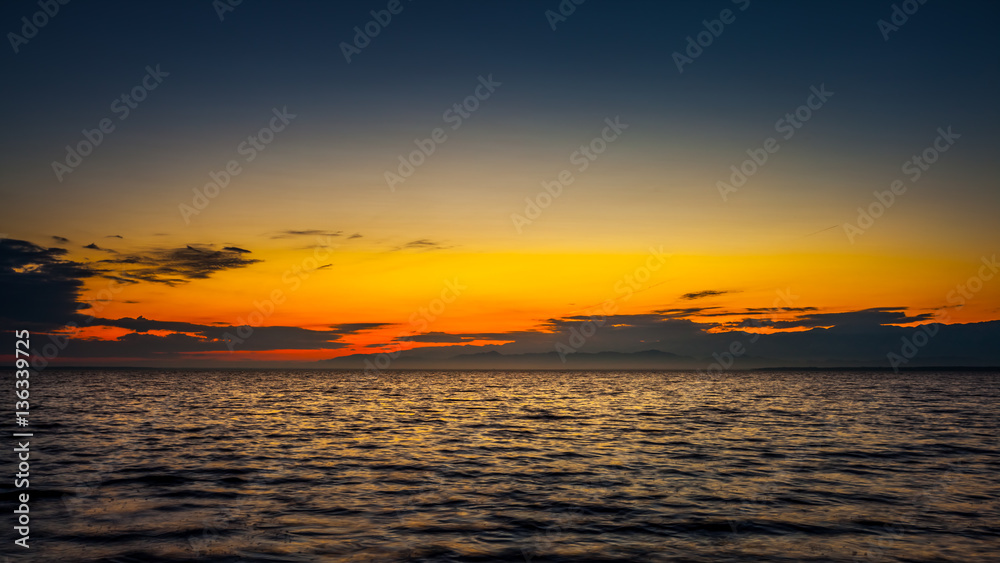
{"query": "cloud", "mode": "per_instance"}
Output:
(855, 338)
(351, 328)
(60, 240)
(39, 288)
(687, 312)
(144, 342)
(702, 294)
(354, 236)
(869, 347)
(437, 338)
(671, 331)
(879, 316)
(114, 236)
(421, 244)
(146, 346)
(307, 233)
(200, 338)
(174, 266)
(93, 246)
(748, 311)
(767, 310)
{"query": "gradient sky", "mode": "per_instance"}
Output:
(358, 264)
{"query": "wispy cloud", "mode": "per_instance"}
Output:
(422, 244)
(702, 294)
(93, 246)
(173, 266)
(438, 338)
(307, 233)
(878, 316)
(351, 328)
(687, 312)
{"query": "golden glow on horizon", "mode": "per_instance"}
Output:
(459, 292)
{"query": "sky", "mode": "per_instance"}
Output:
(222, 183)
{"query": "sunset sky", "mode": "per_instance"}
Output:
(324, 255)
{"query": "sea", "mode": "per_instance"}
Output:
(154, 465)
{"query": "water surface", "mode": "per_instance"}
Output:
(165, 465)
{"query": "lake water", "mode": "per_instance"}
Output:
(172, 465)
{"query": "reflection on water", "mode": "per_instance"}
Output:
(516, 466)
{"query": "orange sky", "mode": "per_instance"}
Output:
(453, 291)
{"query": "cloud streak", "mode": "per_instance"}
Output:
(421, 244)
(175, 266)
(307, 233)
(702, 294)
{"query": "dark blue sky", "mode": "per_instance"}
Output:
(942, 64)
